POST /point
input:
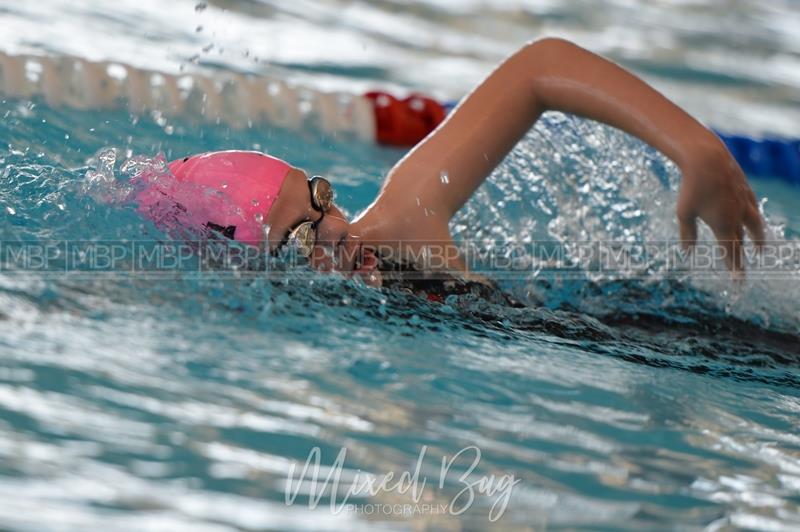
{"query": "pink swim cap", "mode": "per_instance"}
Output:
(229, 191)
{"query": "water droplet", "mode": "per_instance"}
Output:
(259, 217)
(224, 184)
(61, 206)
(11, 210)
(198, 29)
(255, 203)
(418, 204)
(444, 177)
(200, 6)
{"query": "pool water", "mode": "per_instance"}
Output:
(184, 401)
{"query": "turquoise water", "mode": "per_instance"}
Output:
(136, 403)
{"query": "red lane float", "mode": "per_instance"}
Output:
(404, 122)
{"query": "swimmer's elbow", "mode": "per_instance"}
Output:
(546, 59)
(549, 48)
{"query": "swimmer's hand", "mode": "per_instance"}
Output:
(715, 189)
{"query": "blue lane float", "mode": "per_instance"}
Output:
(769, 157)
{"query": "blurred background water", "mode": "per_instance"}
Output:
(180, 403)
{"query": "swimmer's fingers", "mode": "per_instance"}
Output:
(730, 239)
(687, 218)
(688, 227)
(755, 225)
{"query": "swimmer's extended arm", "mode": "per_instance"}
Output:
(440, 174)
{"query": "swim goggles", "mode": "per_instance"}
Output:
(304, 237)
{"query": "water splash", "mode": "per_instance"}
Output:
(101, 182)
(573, 181)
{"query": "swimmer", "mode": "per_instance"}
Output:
(422, 192)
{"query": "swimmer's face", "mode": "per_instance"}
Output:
(336, 248)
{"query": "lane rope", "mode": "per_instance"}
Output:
(243, 100)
